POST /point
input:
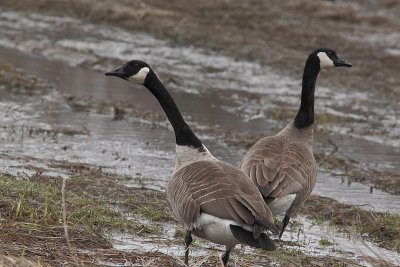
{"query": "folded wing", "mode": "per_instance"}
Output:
(219, 189)
(279, 167)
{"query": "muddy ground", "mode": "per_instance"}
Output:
(264, 32)
(364, 32)
(33, 232)
(98, 203)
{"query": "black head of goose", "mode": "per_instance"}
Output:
(214, 200)
(322, 58)
(283, 166)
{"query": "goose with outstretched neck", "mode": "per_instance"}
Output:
(213, 199)
(283, 166)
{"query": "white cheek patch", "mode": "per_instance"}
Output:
(325, 61)
(140, 77)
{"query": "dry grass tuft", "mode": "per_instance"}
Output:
(18, 82)
(12, 261)
(37, 212)
(382, 228)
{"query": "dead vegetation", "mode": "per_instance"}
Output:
(12, 261)
(240, 29)
(252, 29)
(31, 229)
(31, 223)
(118, 109)
(385, 181)
(382, 228)
(19, 82)
(97, 203)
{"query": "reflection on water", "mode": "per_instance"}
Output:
(194, 71)
(355, 194)
(352, 247)
(306, 236)
(132, 146)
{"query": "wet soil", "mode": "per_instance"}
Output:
(51, 125)
(265, 33)
(30, 221)
(43, 239)
(371, 224)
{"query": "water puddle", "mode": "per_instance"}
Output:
(131, 147)
(122, 143)
(355, 194)
(306, 236)
(77, 43)
(153, 243)
(372, 154)
(338, 244)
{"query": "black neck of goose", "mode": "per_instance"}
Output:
(183, 133)
(305, 116)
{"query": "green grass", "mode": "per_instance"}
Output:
(324, 242)
(381, 228)
(152, 213)
(40, 202)
(284, 256)
(179, 233)
(385, 229)
(154, 229)
(29, 201)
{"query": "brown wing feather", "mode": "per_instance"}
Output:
(219, 189)
(280, 166)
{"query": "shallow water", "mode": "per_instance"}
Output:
(195, 71)
(215, 93)
(306, 235)
(355, 193)
(132, 146)
(354, 247)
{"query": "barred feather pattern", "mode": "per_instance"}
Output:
(219, 189)
(283, 164)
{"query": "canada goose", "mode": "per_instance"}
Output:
(283, 166)
(213, 199)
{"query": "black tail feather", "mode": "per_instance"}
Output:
(266, 225)
(246, 237)
(257, 230)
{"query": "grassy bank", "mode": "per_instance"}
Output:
(32, 224)
(97, 204)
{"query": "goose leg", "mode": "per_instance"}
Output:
(225, 256)
(188, 241)
(285, 222)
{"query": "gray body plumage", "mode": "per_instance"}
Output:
(212, 187)
(282, 165)
(214, 200)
